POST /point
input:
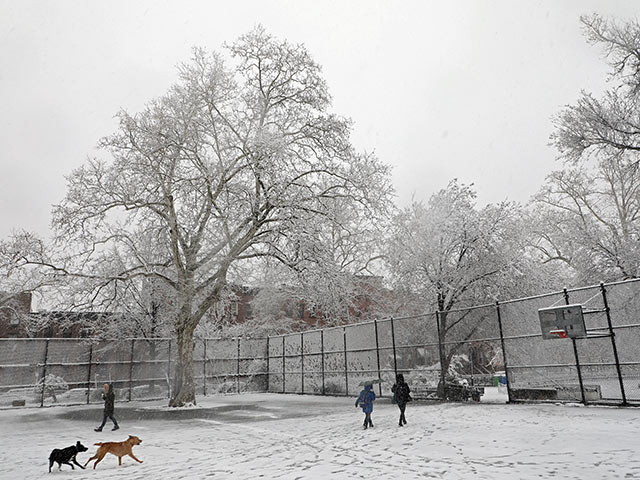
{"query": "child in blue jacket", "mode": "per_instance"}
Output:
(365, 401)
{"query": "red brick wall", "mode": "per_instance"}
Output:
(12, 307)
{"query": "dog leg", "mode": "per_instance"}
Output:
(119, 461)
(76, 462)
(50, 465)
(133, 456)
(92, 458)
(99, 459)
(70, 464)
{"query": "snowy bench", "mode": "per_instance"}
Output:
(562, 393)
(424, 392)
(456, 393)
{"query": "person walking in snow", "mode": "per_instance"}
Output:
(401, 395)
(365, 401)
(109, 398)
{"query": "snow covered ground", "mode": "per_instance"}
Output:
(290, 437)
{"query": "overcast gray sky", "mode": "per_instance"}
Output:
(439, 90)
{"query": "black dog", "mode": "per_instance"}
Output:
(66, 455)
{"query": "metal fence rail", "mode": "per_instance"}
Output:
(479, 344)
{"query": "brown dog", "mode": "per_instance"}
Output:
(119, 449)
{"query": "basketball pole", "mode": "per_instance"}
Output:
(612, 334)
(575, 353)
(504, 352)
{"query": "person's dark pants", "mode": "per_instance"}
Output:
(367, 420)
(104, 420)
(403, 420)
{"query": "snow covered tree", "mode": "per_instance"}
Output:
(609, 126)
(337, 256)
(592, 205)
(237, 162)
(454, 254)
(589, 219)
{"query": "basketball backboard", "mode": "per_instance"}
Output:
(562, 322)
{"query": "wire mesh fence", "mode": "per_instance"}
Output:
(603, 367)
(479, 346)
(39, 372)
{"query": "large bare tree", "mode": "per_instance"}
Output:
(590, 209)
(588, 217)
(610, 125)
(239, 161)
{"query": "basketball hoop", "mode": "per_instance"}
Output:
(558, 333)
(566, 321)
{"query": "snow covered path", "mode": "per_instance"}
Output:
(294, 437)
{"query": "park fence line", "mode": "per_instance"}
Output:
(499, 342)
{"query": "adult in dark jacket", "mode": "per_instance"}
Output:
(109, 398)
(365, 401)
(401, 395)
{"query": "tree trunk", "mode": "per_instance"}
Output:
(183, 392)
(444, 360)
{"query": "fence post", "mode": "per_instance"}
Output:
(375, 325)
(133, 341)
(322, 358)
(504, 352)
(268, 364)
(393, 343)
(238, 369)
(89, 372)
(443, 390)
(283, 370)
(44, 372)
(346, 368)
(169, 371)
(575, 353)
(204, 367)
(612, 334)
(302, 359)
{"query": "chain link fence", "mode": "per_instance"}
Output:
(40, 372)
(602, 368)
(498, 345)
(490, 345)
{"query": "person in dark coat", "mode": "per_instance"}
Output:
(109, 398)
(365, 401)
(401, 395)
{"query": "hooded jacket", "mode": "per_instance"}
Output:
(401, 390)
(365, 399)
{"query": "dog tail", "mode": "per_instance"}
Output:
(99, 444)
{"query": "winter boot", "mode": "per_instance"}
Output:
(99, 429)
(115, 427)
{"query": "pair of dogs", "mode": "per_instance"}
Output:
(119, 449)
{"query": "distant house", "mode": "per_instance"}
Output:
(17, 320)
(62, 324)
(13, 309)
(370, 295)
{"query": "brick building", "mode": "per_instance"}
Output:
(13, 309)
(370, 295)
(17, 319)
